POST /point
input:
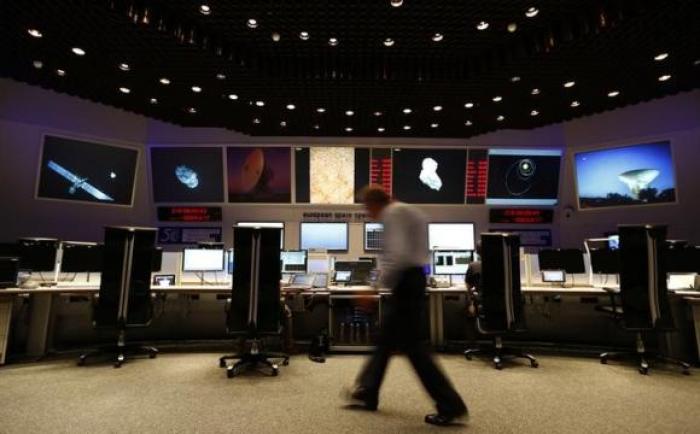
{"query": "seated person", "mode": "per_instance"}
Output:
(472, 280)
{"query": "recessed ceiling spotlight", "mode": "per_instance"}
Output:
(469, 105)
(276, 37)
(165, 81)
(291, 106)
(575, 104)
(515, 79)
(348, 129)
(437, 37)
(196, 89)
(260, 103)
(406, 127)
(349, 113)
(497, 98)
(256, 121)
(381, 129)
(61, 72)
(205, 9)
(38, 64)
(388, 42)
(613, 93)
(377, 114)
(304, 36)
(124, 67)
(396, 3)
(483, 25)
(569, 84)
(125, 90)
(468, 123)
(283, 124)
(252, 23)
(535, 91)
(34, 33)
(665, 77)
(532, 12)
(434, 125)
(153, 101)
(512, 28)
(661, 57)
(191, 110)
(500, 118)
(437, 108)
(232, 96)
(321, 110)
(696, 63)
(407, 111)
(317, 127)
(78, 51)
(534, 113)
(333, 41)
(221, 76)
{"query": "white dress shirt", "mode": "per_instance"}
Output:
(405, 241)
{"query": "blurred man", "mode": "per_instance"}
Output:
(405, 253)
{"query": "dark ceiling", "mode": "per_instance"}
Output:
(600, 46)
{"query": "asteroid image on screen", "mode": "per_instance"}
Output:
(523, 176)
(187, 174)
(259, 175)
(429, 176)
(631, 175)
(332, 175)
(87, 172)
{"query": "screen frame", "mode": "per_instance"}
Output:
(223, 262)
(97, 141)
(347, 237)
(364, 236)
(427, 231)
(284, 227)
(620, 145)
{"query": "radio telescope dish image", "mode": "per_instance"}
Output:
(187, 176)
(428, 174)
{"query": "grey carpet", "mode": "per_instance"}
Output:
(189, 393)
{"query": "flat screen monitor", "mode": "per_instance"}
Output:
(9, 268)
(187, 174)
(321, 280)
(631, 175)
(451, 236)
(83, 171)
(343, 276)
(569, 260)
(318, 265)
(294, 261)
(374, 236)
(429, 175)
(605, 261)
(523, 177)
(38, 254)
(265, 225)
(554, 276)
(324, 236)
(448, 262)
(303, 280)
(81, 258)
(202, 260)
(259, 174)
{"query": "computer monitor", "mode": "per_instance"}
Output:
(569, 260)
(332, 237)
(9, 268)
(451, 236)
(374, 276)
(605, 261)
(81, 257)
(251, 224)
(450, 262)
(374, 236)
(320, 280)
(682, 258)
(343, 276)
(303, 280)
(554, 276)
(293, 261)
(200, 260)
(318, 265)
(38, 254)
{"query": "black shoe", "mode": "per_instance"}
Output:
(445, 419)
(360, 397)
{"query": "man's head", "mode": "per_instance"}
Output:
(375, 199)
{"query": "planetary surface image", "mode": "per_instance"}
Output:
(259, 174)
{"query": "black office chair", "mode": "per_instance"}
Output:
(642, 304)
(500, 308)
(254, 311)
(125, 291)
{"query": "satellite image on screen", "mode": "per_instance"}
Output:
(187, 174)
(631, 175)
(429, 176)
(88, 172)
(523, 176)
(259, 174)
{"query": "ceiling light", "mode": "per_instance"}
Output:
(396, 3)
(434, 125)
(665, 77)
(232, 96)
(321, 110)
(381, 129)
(349, 112)
(196, 89)
(304, 36)
(469, 105)
(500, 118)
(256, 121)
(406, 127)
(191, 110)
(569, 84)
(125, 90)
(276, 37)
(497, 98)
(221, 76)
(661, 57)
(124, 67)
(205, 9)
(535, 91)
(61, 72)
(348, 129)
(252, 23)
(388, 42)
(575, 104)
(407, 111)
(437, 37)
(532, 12)
(437, 108)
(317, 127)
(165, 81)
(613, 93)
(483, 25)
(696, 63)
(377, 114)
(468, 123)
(260, 103)
(154, 101)
(38, 64)
(283, 124)
(291, 106)
(333, 41)
(35, 33)
(78, 51)
(534, 113)
(515, 79)
(512, 28)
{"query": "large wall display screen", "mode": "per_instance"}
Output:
(332, 175)
(429, 176)
(325, 236)
(523, 176)
(182, 174)
(259, 175)
(631, 175)
(87, 172)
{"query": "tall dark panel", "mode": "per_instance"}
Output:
(301, 166)
(500, 282)
(477, 176)
(361, 171)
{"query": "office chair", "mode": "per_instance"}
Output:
(500, 304)
(644, 303)
(125, 291)
(254, 309)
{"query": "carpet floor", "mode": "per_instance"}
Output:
(183, 393)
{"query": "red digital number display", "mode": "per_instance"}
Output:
(477, 176)
(522, 216)
(189, 214)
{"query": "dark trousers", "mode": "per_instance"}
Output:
(401, 331)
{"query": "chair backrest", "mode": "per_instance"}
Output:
(501, 301)
(125, 286)
(643, 278)
(255, 294)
